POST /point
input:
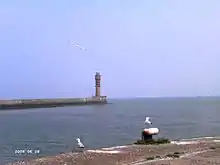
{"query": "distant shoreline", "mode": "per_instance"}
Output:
(157, 97)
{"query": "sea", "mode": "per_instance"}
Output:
(32, 133)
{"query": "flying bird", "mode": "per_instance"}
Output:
(80, 144)
(78, 46)
(81, 48)
(147, 121)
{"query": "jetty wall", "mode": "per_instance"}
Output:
(45, 103)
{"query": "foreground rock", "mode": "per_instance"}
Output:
(211, 157)
(200, 152)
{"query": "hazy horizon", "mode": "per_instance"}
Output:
(142, 48)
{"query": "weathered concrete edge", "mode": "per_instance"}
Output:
(47, 103)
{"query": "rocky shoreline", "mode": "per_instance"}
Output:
(201, 152)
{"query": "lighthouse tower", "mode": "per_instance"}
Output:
(97, 84)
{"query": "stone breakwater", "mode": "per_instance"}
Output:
(201, 152)
(46, 103)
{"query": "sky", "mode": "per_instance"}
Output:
(142, 48)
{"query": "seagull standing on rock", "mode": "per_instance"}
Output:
(80, 144)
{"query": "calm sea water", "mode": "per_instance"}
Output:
(54, 130)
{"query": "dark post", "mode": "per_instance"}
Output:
(145, 136)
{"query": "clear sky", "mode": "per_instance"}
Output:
(152, 48)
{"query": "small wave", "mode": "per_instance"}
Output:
(183, 142)
(115, 147)
(196, 140)
(109, 150)
(202, 138)
(105, 152)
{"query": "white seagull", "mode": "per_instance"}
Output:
(147, 121)
(79, 143)
(78, 46)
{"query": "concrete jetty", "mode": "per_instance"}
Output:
(57, 102)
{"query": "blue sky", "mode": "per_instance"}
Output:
(160, 48)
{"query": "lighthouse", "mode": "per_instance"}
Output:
(97, 84)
